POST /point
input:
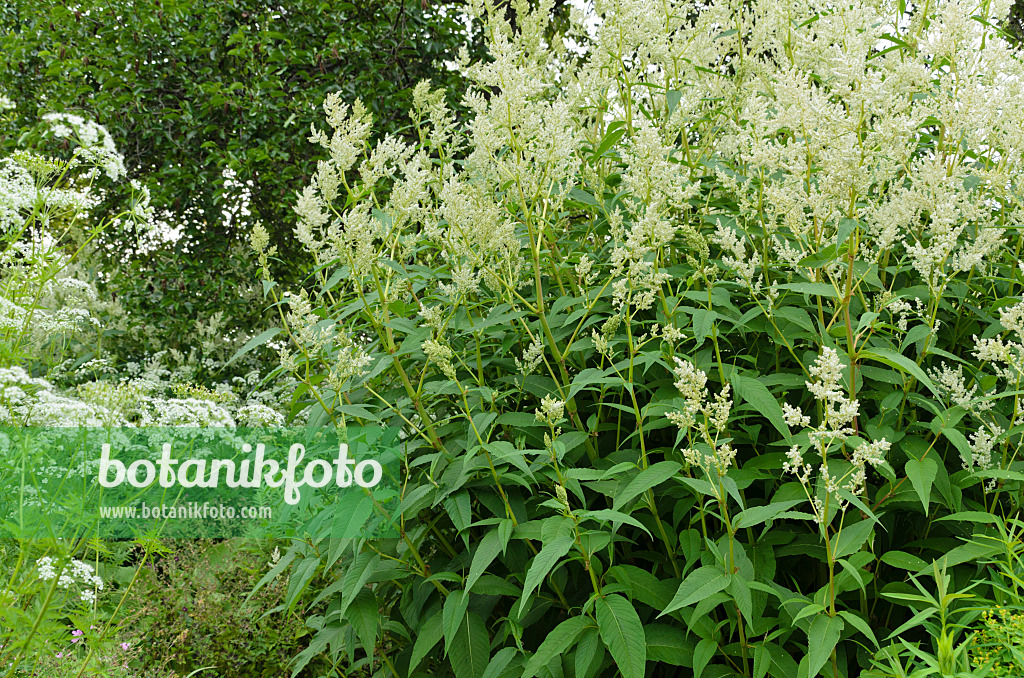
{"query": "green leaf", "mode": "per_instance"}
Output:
(973, 517)
(497, 586)
(760, 398)
(668, 644)
(965, 553)
(825, 255)
(702, 655)
(299, 580)
(590, 379)
(846, 227)
(613, 516)
(700, 584)
(900, 362)
(274, 572)
(363, 615)
(796, 315)
(672, 99)
(490, 546)
(903, 560)
(498, 663)
(356, 411)
(556, 643)
(922, 474)
(916, 333)
(458, 508)
(542, 564)
(782, 664)
(760, 514)
(740, 592)
(959, 441)
(356, 577)
(470, 649)
(623, 634)
(703, 320)
(851, 538)
(453, 615)
(426, 638)
(589, 653)
(651, 476)
(330, 635)
(642, 585)
(860, 625)
(579, 195)
(762, 661)
(258, 340)
(822, 637)
(817, 289)
(611, 137)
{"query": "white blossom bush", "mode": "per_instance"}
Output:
(703, 339)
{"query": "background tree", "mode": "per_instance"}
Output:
(211, 102)
(1014, 24)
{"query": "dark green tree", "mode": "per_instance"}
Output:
(1014, 24)
(211, 102)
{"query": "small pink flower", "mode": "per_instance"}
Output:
(124, 646)
(77, 632)
(60, 655)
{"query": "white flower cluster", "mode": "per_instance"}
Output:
(95, 143)
(532, 357)
(29, 401)
(440, 355)
(17, 194)
(713, 457)
(53, 191)
(952, 384)
(318, 338)
(901, 311)
(736, 258)
(835, 428)
(816, 136)
(1005, 356)
(983, 441)
(57, 305)
(351, 128)
(551, 410)
(800, 155)
(75, 573)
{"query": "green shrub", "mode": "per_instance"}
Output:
(997, 647)
(705, 345)
(190, 611)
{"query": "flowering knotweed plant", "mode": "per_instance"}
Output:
(709, 419)
(832, 434)
(604, 307)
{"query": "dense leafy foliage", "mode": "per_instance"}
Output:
(706, 347)
(702, 329)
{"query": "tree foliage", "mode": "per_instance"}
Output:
(211, 102)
